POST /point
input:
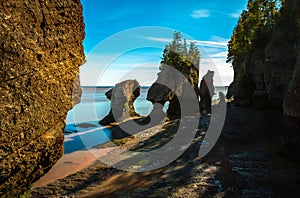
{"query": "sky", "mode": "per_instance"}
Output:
(125, 39)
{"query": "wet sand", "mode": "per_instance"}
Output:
(71, 163)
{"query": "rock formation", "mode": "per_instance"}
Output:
(41, 51)
(161, 92)
(206, 91)
(173, 86)
(291, 105)
(291, 108)
(122, 97)
(270, 65)
(273, 74)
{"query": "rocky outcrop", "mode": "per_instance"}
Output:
(258, 96)
(161, 92)
(206, 91)
(278, 87)
(291, 108)
(291, 105)
(173, 86)
(274, 73)
(122, 97)
(269, 68)
(41, 51)
(280, 59)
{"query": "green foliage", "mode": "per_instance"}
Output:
(26, 194)
(182, 57)
(254, 24)
(178, 55)
(253, 31)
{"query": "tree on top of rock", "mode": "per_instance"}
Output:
(182, 57)
(254, 27)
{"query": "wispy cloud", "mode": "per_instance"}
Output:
(164, 40)
(235, 14)
(217, 63)
(219, 55)
(217, 42)
(197, 14)
(219, 39)
(202, 13)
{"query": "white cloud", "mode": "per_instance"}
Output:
(145, 74)
(235, 14)
(200, 14)
(219, 55)
(214, 42)
(163, 40)
(214, 54)
(223, 71)
(210, 43)
(219, 39)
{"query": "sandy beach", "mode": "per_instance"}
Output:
(243, 163)
(70, 164)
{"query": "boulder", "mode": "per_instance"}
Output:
(122, 97)
(41, 51)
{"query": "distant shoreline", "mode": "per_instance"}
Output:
(143, 87)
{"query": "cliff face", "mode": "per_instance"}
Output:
(271, 64)
(291, 104)
(275, 73)
(41, 51)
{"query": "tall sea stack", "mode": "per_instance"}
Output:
(41, 51)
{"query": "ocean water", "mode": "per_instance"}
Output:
(82, 128)
(94, 105)
(220, 89)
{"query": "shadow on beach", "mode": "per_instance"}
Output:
(244, 162)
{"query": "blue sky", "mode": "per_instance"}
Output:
(125, 39)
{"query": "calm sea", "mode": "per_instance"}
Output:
(94, 105)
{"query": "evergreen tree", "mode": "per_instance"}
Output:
(254, 27)
(182, 57)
